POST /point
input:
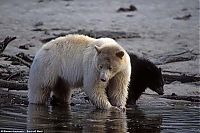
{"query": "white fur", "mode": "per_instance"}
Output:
(70, 62)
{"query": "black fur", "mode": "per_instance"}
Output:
(144, 75)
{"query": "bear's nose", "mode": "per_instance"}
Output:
(103, 80)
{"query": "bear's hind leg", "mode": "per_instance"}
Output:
(61, 93)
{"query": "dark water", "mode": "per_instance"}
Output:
(183, 117)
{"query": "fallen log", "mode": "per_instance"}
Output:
(174, 96)
(13, 85)
(186, 98)
(183, 78)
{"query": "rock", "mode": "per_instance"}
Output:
(185, 17)
(173, 94)
(67, 5)
(40, 23)
(129, 15)
(25, 47)
(67, 0)
(131, 8)
(39, 1)
(184, 9)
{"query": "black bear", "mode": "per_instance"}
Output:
(144, 75)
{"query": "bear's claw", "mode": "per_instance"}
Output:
(120, 108)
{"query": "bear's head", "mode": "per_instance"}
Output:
(145, 74)
(156, 82)
(109, 61)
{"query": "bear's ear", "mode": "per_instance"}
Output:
(120, 54)
(98, 49)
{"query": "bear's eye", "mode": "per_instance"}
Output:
(110, 68)
(100, 66)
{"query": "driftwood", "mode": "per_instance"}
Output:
(25, 57)
(17, 75)
(183, 78)
(174, 96)
(176, 56)
(17, 59)
(4, 43)
(185, 17)
(187, 98)
(13, 85)
(173, 72)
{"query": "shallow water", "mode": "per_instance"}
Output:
(183, 117)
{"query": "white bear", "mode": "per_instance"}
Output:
(100, 66)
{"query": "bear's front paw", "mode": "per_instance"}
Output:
(120, 108)
(114, 108)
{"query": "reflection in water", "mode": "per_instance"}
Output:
(106, 121)
(138, 122)
(44, 118)
(64, 119)
(154, 117)
(12, 117)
